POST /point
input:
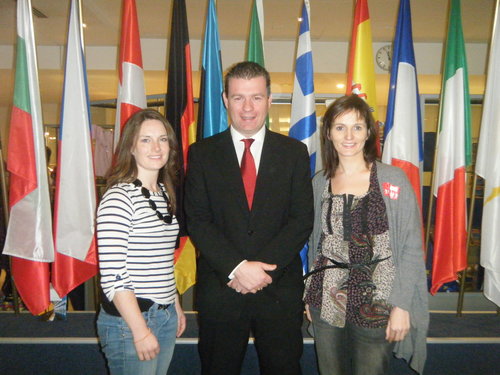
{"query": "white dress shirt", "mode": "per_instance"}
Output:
(256, 150)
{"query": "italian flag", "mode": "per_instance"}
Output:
(453, 156)
(255, 51)
(29, 234)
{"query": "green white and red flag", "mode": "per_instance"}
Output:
(29, 233)
(453, 156)
(255, 52)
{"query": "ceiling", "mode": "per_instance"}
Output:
(331, 20)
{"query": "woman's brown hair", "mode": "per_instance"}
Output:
(339, 107)
(125, 167)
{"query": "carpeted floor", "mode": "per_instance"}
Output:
(456, 346)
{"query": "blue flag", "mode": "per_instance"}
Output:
(403, 137)
(212, 115)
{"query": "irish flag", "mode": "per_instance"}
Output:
(29, 234)
(131, 90)
(403, 143)
(453, 156)
(361, 69)
(255, 52)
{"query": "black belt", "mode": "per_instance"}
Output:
(348, 266)
(144, 305)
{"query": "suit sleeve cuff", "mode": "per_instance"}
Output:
(231, 275)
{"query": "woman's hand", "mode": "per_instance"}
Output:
(145, 342)
(146, 345)
(181, 317)
(308, 313)
(398, 325)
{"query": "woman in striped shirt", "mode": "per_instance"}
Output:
(137, 232)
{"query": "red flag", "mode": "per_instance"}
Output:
(180, 114)
(29, 234)
(75, 197)
(361, 70)
(131, 92)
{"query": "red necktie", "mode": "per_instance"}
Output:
(248, 171)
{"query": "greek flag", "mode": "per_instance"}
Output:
(303, 121)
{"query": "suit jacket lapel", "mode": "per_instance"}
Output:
(267, 168)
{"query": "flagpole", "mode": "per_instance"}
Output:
(460, 303)
(5, 205)
(433, 181)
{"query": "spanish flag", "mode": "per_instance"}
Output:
(361, 70)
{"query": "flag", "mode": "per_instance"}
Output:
(255, 51)
(488, 167)
(29, 234)
(453, 155)
(303, 119)
(131, 91)
(361, 69)
(75, 196)
(403, 137)
(212, 115)
(180, 114)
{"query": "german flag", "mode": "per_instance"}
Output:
(180, 114)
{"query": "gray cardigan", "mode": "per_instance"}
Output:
(409, 290)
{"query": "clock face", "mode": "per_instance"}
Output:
(384, 57)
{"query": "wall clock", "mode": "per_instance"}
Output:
(384, 57)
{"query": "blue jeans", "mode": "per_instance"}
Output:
(118, 346)
(351, 350)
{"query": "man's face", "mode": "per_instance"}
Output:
(248, 103)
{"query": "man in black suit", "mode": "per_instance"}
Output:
(249, 233)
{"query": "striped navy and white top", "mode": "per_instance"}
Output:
(136, 248)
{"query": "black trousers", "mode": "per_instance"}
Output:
(278, 341)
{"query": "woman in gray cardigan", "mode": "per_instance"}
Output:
(366, 292)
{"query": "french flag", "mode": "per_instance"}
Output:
(75, 195)
(403, 146)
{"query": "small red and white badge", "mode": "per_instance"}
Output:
(391, 191)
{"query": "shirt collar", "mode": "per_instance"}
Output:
(258, 137)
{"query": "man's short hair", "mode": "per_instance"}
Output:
(247, 70)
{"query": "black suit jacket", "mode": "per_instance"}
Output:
(226, 232)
